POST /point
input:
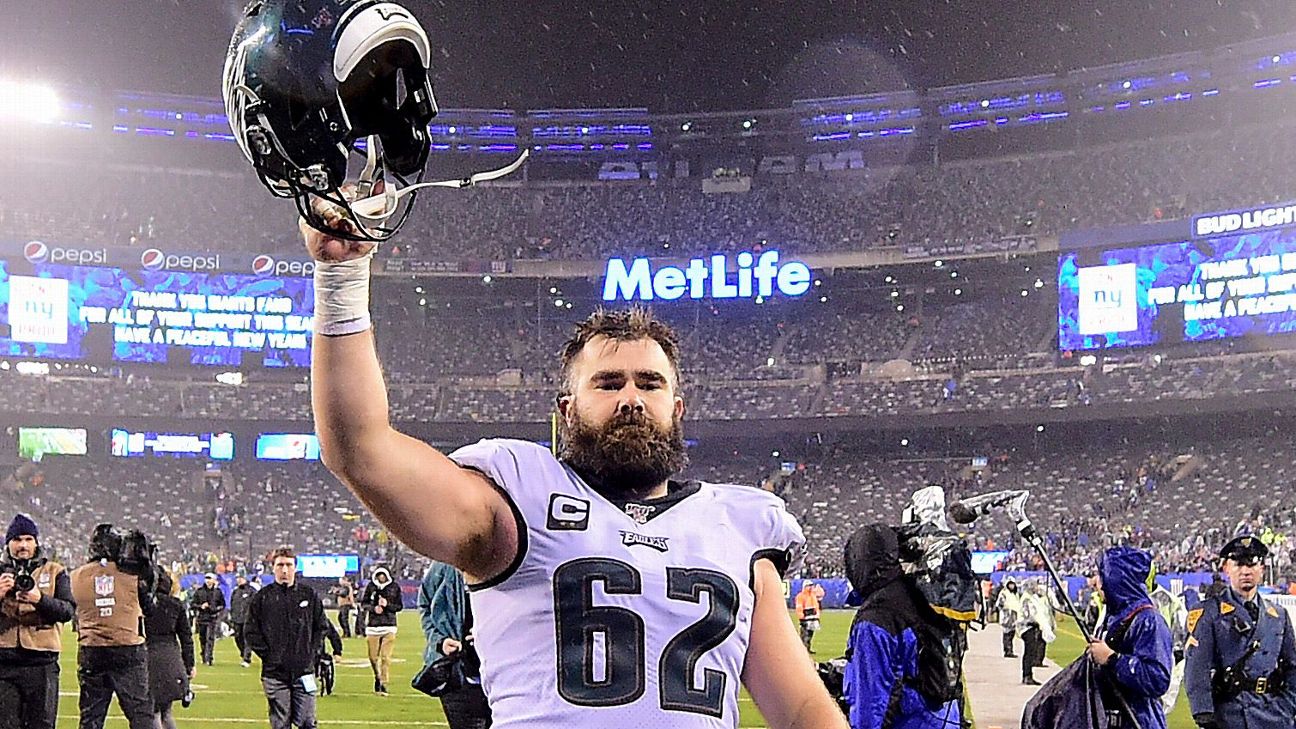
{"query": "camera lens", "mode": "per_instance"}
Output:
(24, 582)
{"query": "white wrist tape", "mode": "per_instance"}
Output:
(342, 297)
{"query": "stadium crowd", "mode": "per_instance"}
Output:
(910, 206)
(1155, 494)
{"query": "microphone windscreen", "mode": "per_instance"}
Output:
(962, 514)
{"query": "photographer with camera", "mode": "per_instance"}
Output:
(345, 593)
(35, 596)
(113, 594)
(452, 668)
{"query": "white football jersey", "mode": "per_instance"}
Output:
(620, 616)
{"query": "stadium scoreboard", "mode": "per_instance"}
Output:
(1202, 289)
(104, 314)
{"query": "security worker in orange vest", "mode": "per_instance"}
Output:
(35, 596)
(807, 611)
(110, 608)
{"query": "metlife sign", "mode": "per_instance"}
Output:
(754, 276)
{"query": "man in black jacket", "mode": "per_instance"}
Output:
(30, 639)
(207, 604)
(239, 600)
(285, 625)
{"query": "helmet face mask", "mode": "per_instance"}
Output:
(306, 80)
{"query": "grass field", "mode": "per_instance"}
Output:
(229, 696)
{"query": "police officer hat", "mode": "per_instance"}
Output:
(1245, 549)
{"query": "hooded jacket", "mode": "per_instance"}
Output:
(1140, 670)
(391, 591)
(885, 640)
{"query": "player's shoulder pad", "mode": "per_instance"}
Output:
(775, 530)
(503, 460)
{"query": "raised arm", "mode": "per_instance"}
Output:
(426, 500)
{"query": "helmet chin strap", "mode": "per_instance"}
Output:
(378, 208)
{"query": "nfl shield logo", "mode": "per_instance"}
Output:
(103, 585)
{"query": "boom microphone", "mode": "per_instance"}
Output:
(969, 510)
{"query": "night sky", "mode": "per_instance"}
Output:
(668, 56)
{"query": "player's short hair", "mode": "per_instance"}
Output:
(622, 325)
(282, 552)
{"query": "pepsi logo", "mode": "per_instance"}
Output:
(152, 259)
(36, 251)
(263, 264)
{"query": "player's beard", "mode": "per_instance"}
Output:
(626, 457)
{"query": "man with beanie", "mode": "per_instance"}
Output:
(207, 604)
(29, 624)
(239, 599)
(111, 605)
(382, 600)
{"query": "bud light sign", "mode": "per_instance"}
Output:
(753, 277)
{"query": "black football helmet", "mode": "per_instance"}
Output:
(309, 82)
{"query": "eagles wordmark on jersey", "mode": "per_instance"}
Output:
(612, 614)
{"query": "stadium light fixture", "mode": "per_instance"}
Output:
(28, 102)
(230, 378)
